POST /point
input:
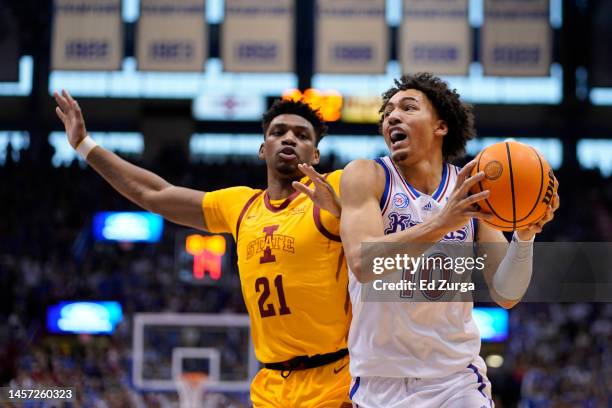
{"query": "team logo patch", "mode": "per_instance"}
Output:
(493, 170)
(400, 200)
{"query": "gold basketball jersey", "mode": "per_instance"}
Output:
(292, 269)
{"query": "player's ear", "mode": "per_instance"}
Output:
(316, 156)
(441, 128)
(261, 154)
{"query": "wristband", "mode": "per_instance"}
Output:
(85, 147)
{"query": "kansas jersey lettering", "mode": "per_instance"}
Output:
(405, 339)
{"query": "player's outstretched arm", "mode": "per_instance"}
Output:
(142, 187)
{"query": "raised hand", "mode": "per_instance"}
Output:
(69, 112)
(323, 194)
(460, 207)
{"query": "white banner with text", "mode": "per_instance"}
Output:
(351, 37)
(516, 38)
(172, 35)
(257, 36)
(435, 37)
(87, 35)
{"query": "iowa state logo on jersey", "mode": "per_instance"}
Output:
(268, 243)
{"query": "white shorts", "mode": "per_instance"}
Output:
(468, 388)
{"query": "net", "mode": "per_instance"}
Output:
(191, 386)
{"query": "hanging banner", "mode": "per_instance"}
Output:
(172, 35)
(600, 65)
(435, 37)
(516, 38)
(351, 37)
(9, 45)
(87, 35)
(257, 36)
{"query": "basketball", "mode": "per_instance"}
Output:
(521, 182)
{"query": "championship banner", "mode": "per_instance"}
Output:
(435, 36)
(172, 35)
(87, 35)
(351, 37)
(516, 38)
(257, 36)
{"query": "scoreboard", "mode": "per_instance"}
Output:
(205, 259)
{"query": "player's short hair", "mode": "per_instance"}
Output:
(458, 115)
(291, 107)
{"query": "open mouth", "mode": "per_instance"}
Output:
(287, 153)
(397, 136)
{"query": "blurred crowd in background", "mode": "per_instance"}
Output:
(557, 355)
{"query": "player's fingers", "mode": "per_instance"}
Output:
(474, 198)
(548, 216)
(310, 171)
(68, 96)
(303, 189)
(62, 102)
(322, 183)
(468, 183)
(464, 173)
(73, 103)
(60, 114)
(556, 202)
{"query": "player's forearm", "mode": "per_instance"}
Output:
(133, 182)
(411, 242)
(513, 274)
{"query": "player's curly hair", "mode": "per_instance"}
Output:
(291, 107)
(458, 115)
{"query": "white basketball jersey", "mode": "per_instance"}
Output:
(412, 339)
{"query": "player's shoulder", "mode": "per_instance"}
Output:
(364, 175)
(233, 195)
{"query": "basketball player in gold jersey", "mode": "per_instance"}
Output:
(292, 268)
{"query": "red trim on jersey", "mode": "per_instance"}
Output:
(244, 210)
(316, 214)
(285, 203)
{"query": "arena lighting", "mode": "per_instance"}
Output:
(84, 317)
(494, 360)
(328, 102)
(492, 323)
(361, 109)
(127, 226)
(207, 254)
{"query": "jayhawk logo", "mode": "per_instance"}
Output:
(399, 222)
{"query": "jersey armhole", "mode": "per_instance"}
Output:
(244, 211)
(385, 197)
(316, 215)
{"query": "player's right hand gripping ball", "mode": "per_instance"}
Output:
(521, 182)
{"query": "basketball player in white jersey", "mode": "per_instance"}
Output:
(422, 354)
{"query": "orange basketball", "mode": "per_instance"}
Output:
(521, 183)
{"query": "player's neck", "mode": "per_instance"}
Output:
(279, 188)
(424, 175)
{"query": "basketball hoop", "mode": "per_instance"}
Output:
(190, 386)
